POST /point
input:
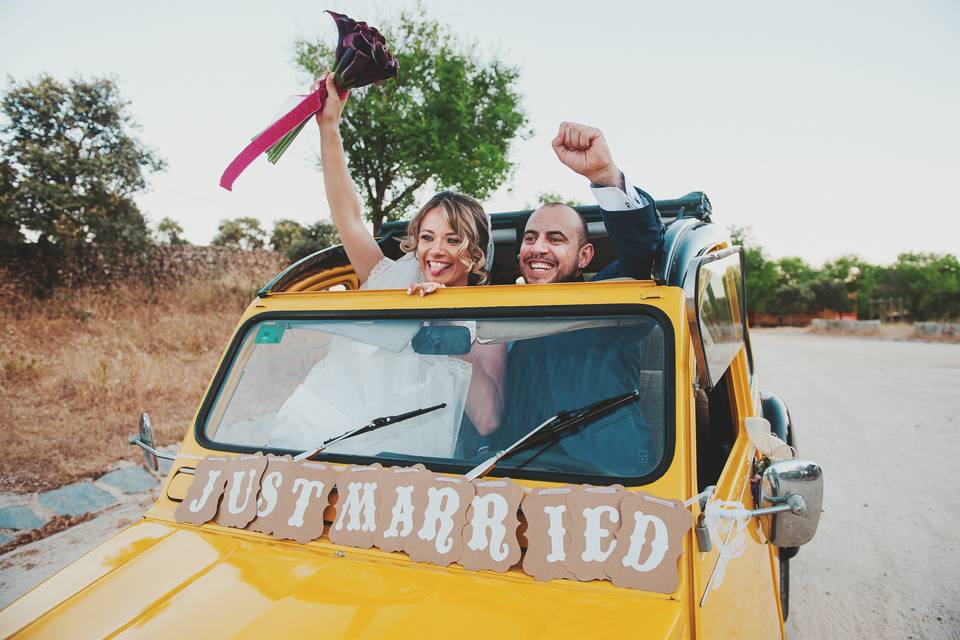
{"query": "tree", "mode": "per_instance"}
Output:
(761, 274)
(285, 233)
(316, 237)
(928, 283)
(240, 233)
(69, 169)
(545, 197)
(170, 232)
(447, 120)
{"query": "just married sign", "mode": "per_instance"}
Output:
(577, 532)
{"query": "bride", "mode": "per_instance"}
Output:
(448, 244)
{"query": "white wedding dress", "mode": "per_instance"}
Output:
(374, 372)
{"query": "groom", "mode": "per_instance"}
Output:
(567, 370)
(556, 247)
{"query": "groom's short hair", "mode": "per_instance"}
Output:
(582, 232)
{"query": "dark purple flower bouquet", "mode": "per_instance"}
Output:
(361, 58)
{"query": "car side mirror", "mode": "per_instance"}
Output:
(146, 437)
(442, 339)
(144, 440)
(791, 493)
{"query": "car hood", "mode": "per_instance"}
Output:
(158, 579)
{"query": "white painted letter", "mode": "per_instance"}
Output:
(354, 503)
(658, 547)
(234, 496)
(305, 487)
(483, 521)
(402, 513)
(197, 504)
(434, 515)
(267, 501)
(594, 533)
(556, 531)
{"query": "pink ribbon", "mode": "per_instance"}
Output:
(311, 104)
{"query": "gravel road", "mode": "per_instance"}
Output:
(882, 419)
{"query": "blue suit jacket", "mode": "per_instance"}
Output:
(637, 238)
(549, 374)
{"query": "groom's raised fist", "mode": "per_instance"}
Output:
(585, 150)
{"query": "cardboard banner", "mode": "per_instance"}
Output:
(356, 519)
(491, 532)
(274, 480)
(548, 533)
(298, 514)
(395, 494)
(648, 543)
(240, 493)
(203, 497)
(439, 515)
(576, 532)
(594, 519)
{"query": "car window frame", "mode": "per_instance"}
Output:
(461, 313)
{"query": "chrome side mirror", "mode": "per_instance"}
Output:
(791, 493)
(145, 441)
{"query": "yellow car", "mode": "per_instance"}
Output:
(312, 357)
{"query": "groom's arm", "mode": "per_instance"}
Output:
(633, 225)
(630, 214)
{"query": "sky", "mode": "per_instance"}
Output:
(827, 128)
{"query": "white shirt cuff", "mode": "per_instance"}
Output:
(615, 199)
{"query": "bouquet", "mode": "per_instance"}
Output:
(361, 58)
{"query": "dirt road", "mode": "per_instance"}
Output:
(883, 420)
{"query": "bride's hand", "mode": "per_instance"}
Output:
(425, 288)
(329, 117)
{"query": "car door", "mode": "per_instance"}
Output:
(735, 581)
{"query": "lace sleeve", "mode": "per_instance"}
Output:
(394, 274)
(377, 273)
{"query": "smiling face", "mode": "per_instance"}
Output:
(555, 247)
(439, 251)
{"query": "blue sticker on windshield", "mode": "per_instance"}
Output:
(271, 333)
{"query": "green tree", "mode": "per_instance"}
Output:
(316, 237)
(552, 196)
(285, 233)
(928, 283)
(240, 233)
(69, 168)
(446, 121)
(761, 274)
(170, 232)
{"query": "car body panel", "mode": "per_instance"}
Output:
(179, 580)
(159, 577)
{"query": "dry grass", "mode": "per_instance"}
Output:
(77, 369)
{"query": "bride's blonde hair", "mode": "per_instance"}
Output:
(466, 217)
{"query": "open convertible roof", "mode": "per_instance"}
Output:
(680, 216)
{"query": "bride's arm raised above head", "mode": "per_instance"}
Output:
(362, 250)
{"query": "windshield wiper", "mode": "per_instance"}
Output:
(373, 425)
(554, 427)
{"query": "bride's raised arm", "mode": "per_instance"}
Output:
(362, 250)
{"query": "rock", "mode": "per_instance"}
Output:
(76, 499)
(130, 480)
(19, 517)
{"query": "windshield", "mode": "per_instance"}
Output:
(293, 385)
